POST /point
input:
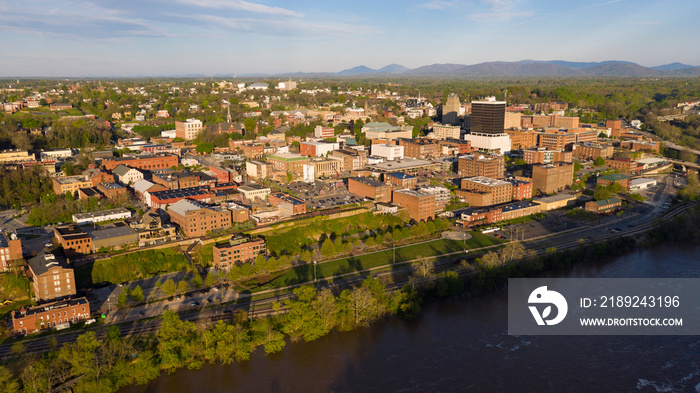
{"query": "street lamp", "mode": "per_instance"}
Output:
(314, 261)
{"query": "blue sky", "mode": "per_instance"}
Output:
(168, 37)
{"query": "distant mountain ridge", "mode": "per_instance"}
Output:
(527, 68)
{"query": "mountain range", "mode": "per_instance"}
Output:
(551, 68)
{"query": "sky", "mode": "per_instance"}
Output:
(79, 38)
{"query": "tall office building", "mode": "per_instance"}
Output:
(488, 116)
(450, 111)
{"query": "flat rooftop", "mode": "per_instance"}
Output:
(487, 181)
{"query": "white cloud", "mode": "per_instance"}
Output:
(437, 5)
(500, 11)
(242, 6)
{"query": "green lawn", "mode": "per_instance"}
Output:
(386, 257)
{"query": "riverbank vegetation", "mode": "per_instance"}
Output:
(89, 365)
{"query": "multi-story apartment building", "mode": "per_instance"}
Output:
(487, 165)
(50, 315)
(324, 132)
(556, 139)
(145, 162)
(188, 129)
(521, 189)
(369, 188)
(545, 155)
(238, 250)
(591, 150)
(420, 207)
(482, 191)
(551, 178)
(73, 239)
(441, 131)
(52, 277)
(196, 219)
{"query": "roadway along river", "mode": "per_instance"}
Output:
(462, 345)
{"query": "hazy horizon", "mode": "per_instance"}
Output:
(49, 38)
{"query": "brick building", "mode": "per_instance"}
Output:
(612, 178)
(420, 206)
(487, 165)
(161, 199)
(521, 189)
(317, 149)
(196, 219)
(252, 151)
(50, 315)
(400, 180)
(73, 239)
(71, 184)
(10, 250)
(146, 162)
(605, 206)
(286, 162)
(623, 164)
(419, 147)
(352, 159)
(545, 155)
(521, 139)
(369, 188)
(238, 250)
(490, 215)
(288, 205)
(591, 150)
(501, 191)
(112, 190)
(556, 139)
(188, 129)
(52, 277)
(176, 180)
(551, 178)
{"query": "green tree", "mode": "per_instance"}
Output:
(183, 286)
(577, 166)
(7, 381)
(137, 294)
(121, 299)
(327, 248)
(600, 161)
(210, 280)
(197, 281)
(601, 194)
(168, 287)
(250, 125)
